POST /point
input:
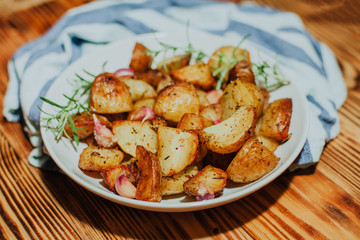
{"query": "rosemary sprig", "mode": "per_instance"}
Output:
(64, 115)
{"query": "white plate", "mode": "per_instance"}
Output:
(117, 55)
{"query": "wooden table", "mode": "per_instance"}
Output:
(316, 203)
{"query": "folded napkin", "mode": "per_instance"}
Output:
(36, 65)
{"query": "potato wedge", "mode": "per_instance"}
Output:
(95, 158)
(229, 135)
(141, 61)
(139, 89)
(242, 71)
(225, 54)
(198, 74)
(110, 175)
(212, 112)
(129, 134)
(204, 101)
(193, 121)
(270, 143)
(109, 94)
(176, 100)
(275, 121)
(149, 183)
(214, 178)
(252, 162)
(173, 63)
(237, 94)
(175, 183)
(177, 149)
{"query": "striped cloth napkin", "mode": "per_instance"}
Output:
(36, 65)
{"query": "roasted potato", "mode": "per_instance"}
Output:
(109, 94)
(212, 177)
(252, 162)
(139, 89)
(129, 134)
(176, 100)
(151, 76)
(175, 183)
(270, 143)
(242, 71)
(141, 61)
(204, 101)
(193, 121)
(110, 175)
(164, 83)
(219, 160)
(212, 112)
(149, 102)
(229, 135)
(84, 124)
(173, 63)
(275, 121)
(94, 158)
(237, 94)
(226, 53)
(177, 149)
(149, 182)
(198, 74)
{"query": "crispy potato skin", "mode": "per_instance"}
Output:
(95, 158)
(229, 135)
(149, 180)
(109, 94)
(151, 76)
(193, 121)
(140, 61)
(275, 121)
(252, 162)
(174, 63)
(242, 71)
(198, 74)
(215, 178)
(239, 93)
(176, 100)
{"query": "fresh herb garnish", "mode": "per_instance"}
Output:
(64, 115)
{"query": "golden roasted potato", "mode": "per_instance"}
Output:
(164, 83)
(109, 94)
(237, 94)
(151, 76)
(270, 143)
(229, 135)
(173, 63)
(175, 183)
(177, 149)
(139, 89)
(176, 100)
(149, 102)
(226, 53)
(204, 101)
(198, 74)
(213, 178)
(84, 124)
(242, 71)
(252, 162)
(129, 134)
(193, 121)
(95, 158)
(141, 61)
(149, 183)
(275, 121)
(212, 112)
(266, 97)
(110, 175)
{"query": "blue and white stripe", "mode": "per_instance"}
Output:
(36, 65)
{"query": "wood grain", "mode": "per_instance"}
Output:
(320, 202)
